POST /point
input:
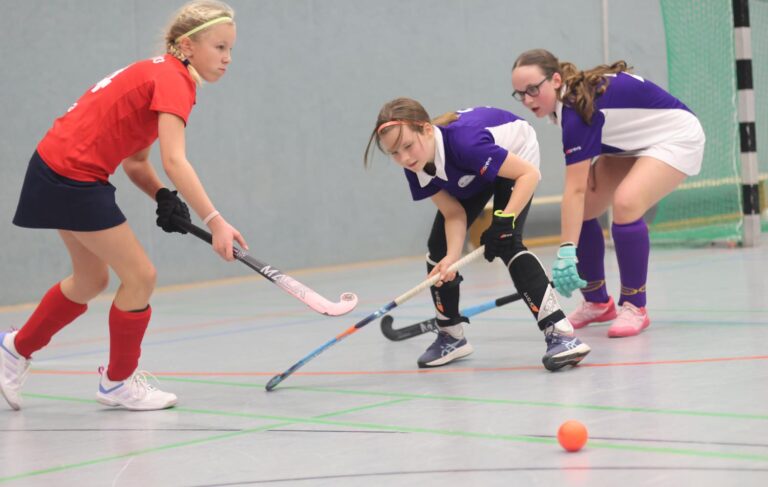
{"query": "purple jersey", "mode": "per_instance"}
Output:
(632, 115)
(470, 151)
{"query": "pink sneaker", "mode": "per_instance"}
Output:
(630, 322)
(592, 313)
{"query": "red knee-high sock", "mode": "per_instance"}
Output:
(54, 312)
(126, 331)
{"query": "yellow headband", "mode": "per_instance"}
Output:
(203, 26)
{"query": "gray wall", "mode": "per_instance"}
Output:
(278, 142)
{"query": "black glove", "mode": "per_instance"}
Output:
(168, 205)
(499, 238)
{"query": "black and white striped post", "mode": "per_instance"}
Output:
(750, 177)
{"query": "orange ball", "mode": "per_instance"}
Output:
(572, 435)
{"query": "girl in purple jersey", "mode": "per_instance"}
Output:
(627, 144)
(461, 161)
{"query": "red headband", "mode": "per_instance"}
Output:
(398, 122)
(389, 124)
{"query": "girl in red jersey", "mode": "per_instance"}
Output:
(66, 188)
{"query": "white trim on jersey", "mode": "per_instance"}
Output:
(519, 138)
(557, 117)
(424, 178)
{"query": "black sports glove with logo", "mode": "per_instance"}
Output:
(499, 238)
(168, 205)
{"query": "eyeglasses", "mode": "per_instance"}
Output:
(532, 91)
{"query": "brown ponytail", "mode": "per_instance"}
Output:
(445, 119)
(581, 87)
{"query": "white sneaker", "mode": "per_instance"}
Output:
(13, 370)
(134, 393)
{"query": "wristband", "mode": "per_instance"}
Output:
(210, 217)
(503, 215)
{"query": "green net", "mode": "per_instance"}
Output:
(701, 64)
(758, 19)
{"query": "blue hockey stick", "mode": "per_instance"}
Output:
(274, 381)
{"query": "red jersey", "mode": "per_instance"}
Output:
(116, 118)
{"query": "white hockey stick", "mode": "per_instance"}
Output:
(274, 381)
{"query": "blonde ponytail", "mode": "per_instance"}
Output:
(186, 22)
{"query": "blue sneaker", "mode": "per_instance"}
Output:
(444, 350)
(563, 350)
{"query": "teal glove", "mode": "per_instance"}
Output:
(565, 276)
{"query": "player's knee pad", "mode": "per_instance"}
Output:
(533, 284)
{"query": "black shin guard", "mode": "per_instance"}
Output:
(533, 284)
(446, 299)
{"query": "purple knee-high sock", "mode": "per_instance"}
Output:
(591, 252)
(633, 246)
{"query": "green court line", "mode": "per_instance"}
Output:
(280, 421)
(512, 402)
(134, 453)
(362, 408)
(180, 444)
(490, 436)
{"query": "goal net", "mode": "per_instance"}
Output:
(701, 64)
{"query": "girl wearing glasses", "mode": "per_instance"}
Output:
(461, 160)
(627, 144)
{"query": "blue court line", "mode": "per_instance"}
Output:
(245, 328)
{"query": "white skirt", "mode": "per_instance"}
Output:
(683, 150)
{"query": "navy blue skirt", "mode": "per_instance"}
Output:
(49, 200)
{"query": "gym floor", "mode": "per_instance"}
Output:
(684, 402)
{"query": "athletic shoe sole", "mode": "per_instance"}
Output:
(571, 357)
(108, 402)
(628, 331)
(448, 358)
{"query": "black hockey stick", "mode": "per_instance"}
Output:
(410, 331)
(283, 281)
